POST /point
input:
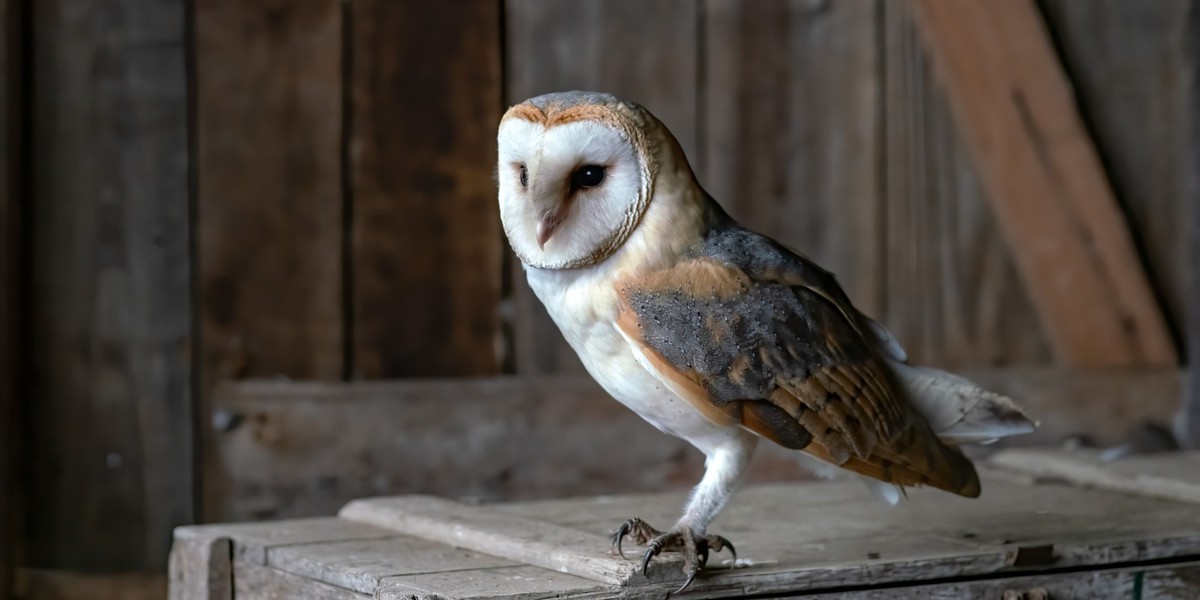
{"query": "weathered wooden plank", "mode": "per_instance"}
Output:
(508, 583)
(361, 565)
(791, 128)
(1173, 476)
(269, 234)
(793, 540)
(426, 249)
(1166, 582)
(1044, 179)
(954, 297)
(253, 542)
(109, 458)
(1103, 405)
(287, 453)
(1187, 418)
(645, 51)
(1133, 65)
(268, 79)
(852, 523)
(200, 566)
(256, 582)
(481, 529)
(10, 253)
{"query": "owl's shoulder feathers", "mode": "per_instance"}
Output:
(752, 333)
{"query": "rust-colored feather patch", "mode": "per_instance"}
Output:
(684, 385)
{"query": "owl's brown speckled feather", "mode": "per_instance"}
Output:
(762, 337)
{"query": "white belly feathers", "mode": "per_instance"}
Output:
(584, 306)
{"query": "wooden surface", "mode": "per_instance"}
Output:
(426, 248)
(1023, 533)
(791, 99)
(10, 234)
(268, 198)
(1187, 419)
(1045, 182)
(641, 50)
(110, 433)
(1143, 119)
(201, 565)
(1172, 476)
(1174, 582)
(953, 295)
(814, 536)
(269, 188)
(287, 453)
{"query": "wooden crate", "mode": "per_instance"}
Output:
(1049, 525)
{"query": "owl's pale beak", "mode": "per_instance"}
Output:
(548, 224)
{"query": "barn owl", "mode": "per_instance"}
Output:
(709, 331)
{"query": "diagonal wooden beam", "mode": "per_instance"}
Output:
(1016, 110)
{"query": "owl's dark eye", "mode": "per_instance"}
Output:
(524, 177)
(587, 176)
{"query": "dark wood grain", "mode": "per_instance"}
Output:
(109, 455)
(1135, 68)
(646, 51)
(791, 130)
(1133, 65)
(269, 227)
(426, 240)
(307, 448)
(1187, 420)
(1046, 186)
(10, 232)
(269, 205)
(954, 297)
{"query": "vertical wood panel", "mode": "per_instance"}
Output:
(953, 294)
(426, 240)
(9, 291)
(646, 51)
(1133, 66)
(792, 129)
(1187, 421)
(1046, 186)
(110, 445)
(268, 79)
(269, 233)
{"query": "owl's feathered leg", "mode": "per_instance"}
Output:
(722, 474)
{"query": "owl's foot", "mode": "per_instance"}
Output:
(681, 539)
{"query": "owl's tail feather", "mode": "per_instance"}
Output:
(957, 410)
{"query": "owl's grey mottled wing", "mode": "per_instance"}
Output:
(751, 333)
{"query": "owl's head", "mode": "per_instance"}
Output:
(576, 174)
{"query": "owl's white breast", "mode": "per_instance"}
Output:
(584, 304)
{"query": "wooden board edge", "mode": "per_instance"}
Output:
(200, 566)
(1091, 469)
(480, 529)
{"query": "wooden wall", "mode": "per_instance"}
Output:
(10, 46)
(224, 192)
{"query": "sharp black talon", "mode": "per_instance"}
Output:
(619, 536)
(650, 552)
(689, 581)
(732, 550)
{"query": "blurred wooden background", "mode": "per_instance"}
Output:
(233, 230)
